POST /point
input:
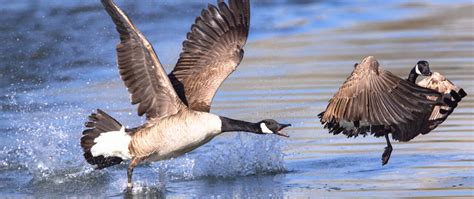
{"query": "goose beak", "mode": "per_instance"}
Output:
(427, 73)
(280, 128)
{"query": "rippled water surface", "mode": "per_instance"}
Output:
(57, 65)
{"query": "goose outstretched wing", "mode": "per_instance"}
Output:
(212, 51)
(373, 96)
(141, 70)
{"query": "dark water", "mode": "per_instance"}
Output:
(57, 65)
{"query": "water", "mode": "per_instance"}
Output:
(58, 64)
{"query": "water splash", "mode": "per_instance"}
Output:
(42, 138)
(241, 155)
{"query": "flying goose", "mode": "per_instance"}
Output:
(439, 83)
(375, 101)
(178, 118)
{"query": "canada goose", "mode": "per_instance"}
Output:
(375, 101)
(439, 83)
(176, 124)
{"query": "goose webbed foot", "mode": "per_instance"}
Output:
(386, 155)
(128, 190)
(388, 151)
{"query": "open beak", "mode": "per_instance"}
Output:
(280, 128)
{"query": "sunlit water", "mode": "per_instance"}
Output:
(58, 65)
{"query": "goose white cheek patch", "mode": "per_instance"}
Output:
(265, 129)
(417, 69)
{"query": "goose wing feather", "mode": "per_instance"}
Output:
(212, 51)
(141, 70)
(442, 85)
(373, 96)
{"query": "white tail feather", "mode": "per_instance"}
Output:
(112, 144)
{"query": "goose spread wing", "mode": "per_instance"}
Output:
(141, 70)
(212, 51)
(378, 98)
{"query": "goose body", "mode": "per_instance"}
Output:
(171, 137)
(375, 101)
(176, 105)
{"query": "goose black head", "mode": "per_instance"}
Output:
(423, 68)
(270, 126)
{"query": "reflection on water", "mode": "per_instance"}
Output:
(58, 64)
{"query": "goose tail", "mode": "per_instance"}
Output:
(105, 141)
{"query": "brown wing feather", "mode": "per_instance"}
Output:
(141, 70)
(212, 51)
(375, 97)
(439, 113)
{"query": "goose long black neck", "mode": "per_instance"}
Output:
(413, 75)
(239, 125)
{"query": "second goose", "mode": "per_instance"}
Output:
(375, 101)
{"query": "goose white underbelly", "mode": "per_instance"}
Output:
(176, 136)
(178, 149)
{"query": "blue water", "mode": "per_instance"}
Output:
(57, 64)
